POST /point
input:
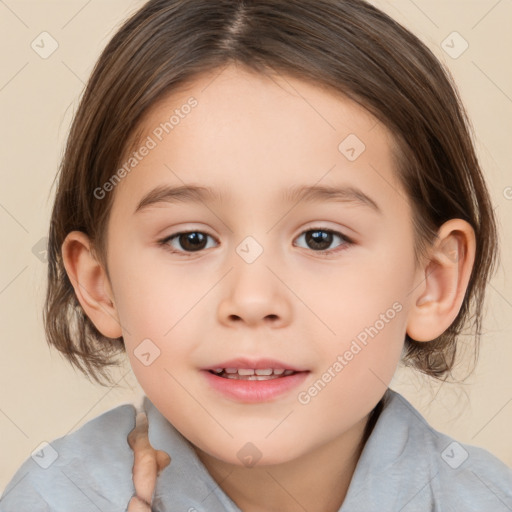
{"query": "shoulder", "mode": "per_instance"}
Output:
(89, 469)
(462, 476)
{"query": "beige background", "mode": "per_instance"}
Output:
(41, 397)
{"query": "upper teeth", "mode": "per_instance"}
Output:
(250, 371)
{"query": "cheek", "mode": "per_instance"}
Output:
(361, 360)
(366, 308)
(154, 297)
(366, 299)
(161, 313)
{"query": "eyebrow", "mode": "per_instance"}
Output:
(185, 193)
(343, 194)
(302, 193)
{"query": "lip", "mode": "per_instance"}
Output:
(255, 364)
(254, 391)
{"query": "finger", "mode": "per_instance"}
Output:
(139, 433)
(136, 505)
(162, 460)
(148, 462)
(144, 472)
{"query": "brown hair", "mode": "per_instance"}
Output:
(348, 46)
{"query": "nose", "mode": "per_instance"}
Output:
(254, 295)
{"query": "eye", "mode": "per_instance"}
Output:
(320, 240)
(189, 241)
(317, 239)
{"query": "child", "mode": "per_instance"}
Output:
(217, 149)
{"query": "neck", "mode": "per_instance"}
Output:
(318, 480)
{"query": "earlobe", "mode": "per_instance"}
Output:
(445, 277)
(91, 284)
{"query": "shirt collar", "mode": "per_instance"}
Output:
(186, 484)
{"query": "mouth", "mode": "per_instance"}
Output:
(252, 373)
(244, 368)
(250, 381)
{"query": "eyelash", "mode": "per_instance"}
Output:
(346, 242)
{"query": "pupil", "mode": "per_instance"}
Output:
(193, 241)
(319, 239)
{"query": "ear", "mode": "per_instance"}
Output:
(445, 277)
(91, 283)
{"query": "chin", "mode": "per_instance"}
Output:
(252, 454)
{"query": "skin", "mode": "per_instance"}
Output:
(147, 465)
(252, 137)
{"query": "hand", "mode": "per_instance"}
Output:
(147, 464)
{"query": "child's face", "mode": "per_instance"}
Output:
(253, 139)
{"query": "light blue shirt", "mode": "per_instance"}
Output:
(406, 466)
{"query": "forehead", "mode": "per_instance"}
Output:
(238, 132)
